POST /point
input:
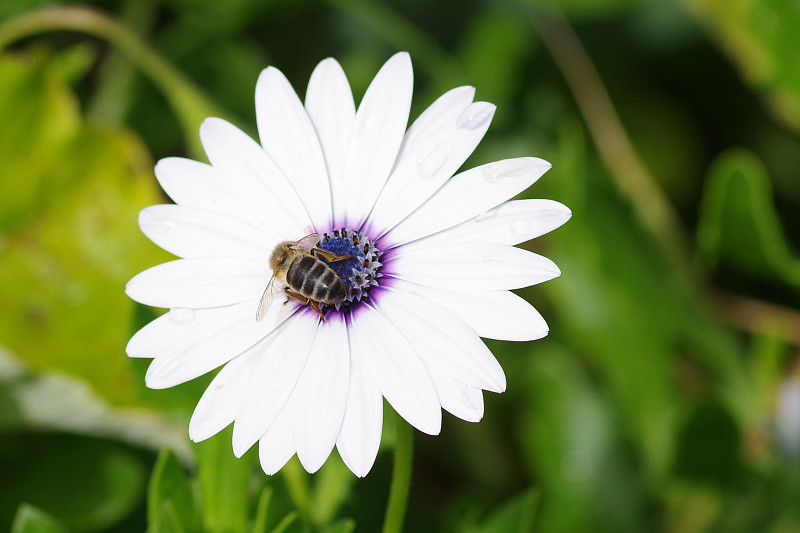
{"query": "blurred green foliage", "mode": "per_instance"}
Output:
(650, 407)
(71, 191)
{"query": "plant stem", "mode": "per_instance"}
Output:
(615, 148)
(401, 476)
(189, 104)
(116, 76)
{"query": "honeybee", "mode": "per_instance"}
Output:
(299, 266)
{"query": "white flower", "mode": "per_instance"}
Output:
(439, 266)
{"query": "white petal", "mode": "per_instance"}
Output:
(321, 394)
(156, 336)
(469, 266)
(469, 194)
(254, 179)
(500, 315)
(330, 106)
(434, 148)
(289, 137)
(200, 282)
(392, 362)
(191, 232)
(360, 436)
(375, 138)
(198, 341)
(460, 400)
(444, 341)
(276, 446)
(194, 184)
(218, 406)
(282, 358)
(508, 223)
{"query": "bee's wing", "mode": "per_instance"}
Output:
(267, 298)
(307, 243)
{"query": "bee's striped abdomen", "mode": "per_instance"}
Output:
(312, 278)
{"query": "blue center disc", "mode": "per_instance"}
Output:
(360, 271)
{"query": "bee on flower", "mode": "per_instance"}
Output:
(383, 267)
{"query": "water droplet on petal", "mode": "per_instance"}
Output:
(470, 397)
(520, 227)
(181, 316)
(364, 128)
(433, 161)
(488, 258)
(509, 168)
(475, 115)
(487, 215)
(159, 221)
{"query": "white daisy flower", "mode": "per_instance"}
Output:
(428, 259)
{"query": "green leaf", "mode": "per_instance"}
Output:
(171, 491)
(590, 9)
(332, 487)
(167, 520)
(290, 523)
(262, 510)
(739, 225)
(602, 245)
(346, 525)
(573, 447)
(223, 482)
(86, 484)
(761, 38)
(71, 197)
(57, 402)
(497, 33)
(638, 348)
(709, 443)
(514, 516)
(30, 519)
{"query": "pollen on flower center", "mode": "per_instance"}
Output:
(361, 270)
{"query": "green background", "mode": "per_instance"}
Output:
(666, 397)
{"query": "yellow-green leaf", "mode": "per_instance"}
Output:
(68, 231)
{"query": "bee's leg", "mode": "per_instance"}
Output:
(296, 295)
(330, 257)
(286, 290)
(306, 301)
(316, 308)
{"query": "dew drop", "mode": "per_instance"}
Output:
(520, 227)
(468, 397)
(181, 316)
(488, 258)
(475, 115)
(177, 362)
(432, 162)
(364, 129)
(159, 221)
(487, 215)
(494, 172)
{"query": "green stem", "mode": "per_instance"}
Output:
(401, 476)
(117, 76)
(190, 105)
(627, 169)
